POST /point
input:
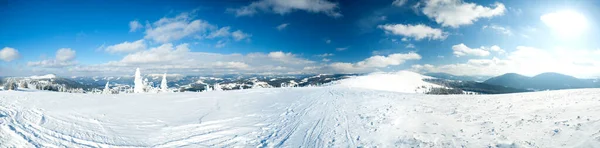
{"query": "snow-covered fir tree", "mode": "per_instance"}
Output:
(106, 89)
(163, 84)
(207, 88)
(138, 83)
(217, 87)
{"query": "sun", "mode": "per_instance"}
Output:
(566, 23)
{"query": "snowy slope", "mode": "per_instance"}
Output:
(333, 116)
(402, 81)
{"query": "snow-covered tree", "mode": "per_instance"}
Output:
(217, 87)
(11, 85)
(207, 88)
(106, 89)
(163, 84)
(138, 83)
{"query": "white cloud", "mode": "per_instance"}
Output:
(499, 29)
(454, 13)
(170, 29)
(163, 53)
(528, 61)
(399, 3)
(239, 35)
(373, 62)
(282, 26)
(287, 58)
(64, 57)
(285, 6)
(410, 45)
(180, 59)
(8, 54)
(328, 41)
(462, 50)
(223, 32)
(183, 25)
(65, 54)
(134, 25)
(127, 47)
(496, 49)
(326, 60)
(417, 32)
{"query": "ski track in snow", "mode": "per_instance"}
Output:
(332, 116)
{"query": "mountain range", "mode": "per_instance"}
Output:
(543, 81)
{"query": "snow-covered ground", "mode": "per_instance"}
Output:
(332, 116)
(401, 81)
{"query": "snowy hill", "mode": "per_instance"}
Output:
(402, 81)
(341, 115)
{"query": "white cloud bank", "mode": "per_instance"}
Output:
(527, 61)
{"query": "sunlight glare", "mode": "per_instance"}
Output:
(566, 23)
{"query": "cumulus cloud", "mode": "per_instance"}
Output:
(418, 32)
(285, 6)
(499, 29)
(463, 50)
(134, 25)
(374, 62)
(8, 54)
(583, 63)
(127, 47)
(282, 26)
(65, 54)
(64, 57)
(454, 13)
(184, 25)
(239, 35)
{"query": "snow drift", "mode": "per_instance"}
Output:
(402, 81)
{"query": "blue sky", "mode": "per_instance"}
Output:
(462, 37)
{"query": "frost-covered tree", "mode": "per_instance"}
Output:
(207, 88)
(106, 89)
(11, 85)
(138, 83)
(163, 83)
(217, 87)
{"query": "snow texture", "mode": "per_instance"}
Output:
(331, 116)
